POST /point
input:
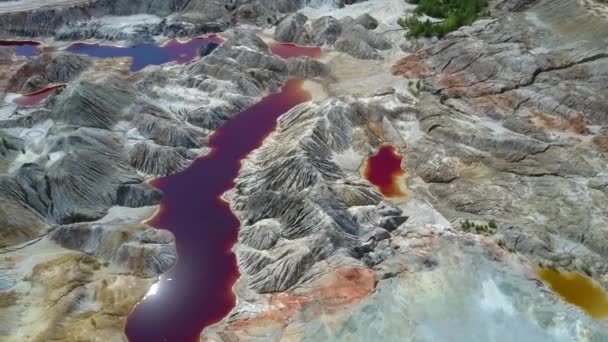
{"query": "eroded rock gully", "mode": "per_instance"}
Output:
(501, 126)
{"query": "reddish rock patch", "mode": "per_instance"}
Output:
(575, 124)
(413, 66)
(335, 292)
(348, 288)
(600, 142)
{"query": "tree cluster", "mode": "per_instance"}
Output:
(455, 13)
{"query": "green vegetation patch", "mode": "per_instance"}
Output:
(455, 13)
(478, 228)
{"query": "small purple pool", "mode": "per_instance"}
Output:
(148, 53)
(24, 48)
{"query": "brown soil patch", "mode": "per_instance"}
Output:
(576, 124)
(413, 66)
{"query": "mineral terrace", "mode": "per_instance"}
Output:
(502, 125)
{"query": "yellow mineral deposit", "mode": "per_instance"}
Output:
(578, 290)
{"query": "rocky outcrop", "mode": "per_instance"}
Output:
(49, 68)
(156, 160)
(93, 104)
(80, 278)
(352, 36)
(292, 30)
(517, 131)
(298, 205)
(143, 251)
(34, 18)
(308, 68)
(141, 19)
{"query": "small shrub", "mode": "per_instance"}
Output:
(478, 228)
(124, 236)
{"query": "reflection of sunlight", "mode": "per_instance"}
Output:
(152, 291)
(155, 288)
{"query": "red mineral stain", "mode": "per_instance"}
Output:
(287, 50)
(413, 66)
(36, 97)
(348, 287)
(383, 170)
(335, 292)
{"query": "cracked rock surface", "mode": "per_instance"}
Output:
(502, 124)
(514, 129)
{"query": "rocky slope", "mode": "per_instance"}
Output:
(502, 122)
(75, 257)
(499, 122)
(518, 119)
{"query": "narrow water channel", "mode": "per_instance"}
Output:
(197, 292)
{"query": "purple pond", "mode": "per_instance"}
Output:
(148, 53)
(24, 48)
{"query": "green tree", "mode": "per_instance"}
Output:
(456, 13)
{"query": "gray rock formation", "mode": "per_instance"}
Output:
(20, 19)
(144, 251)
(292, 29)
(93, 104)
(292, 198)
(48, 68)
(79, 19)
(305, 67)
(519, 132)
(367, 21)
(325, 31)
(84, 181)
(351, 36)
(156, 160)
(356, 48)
